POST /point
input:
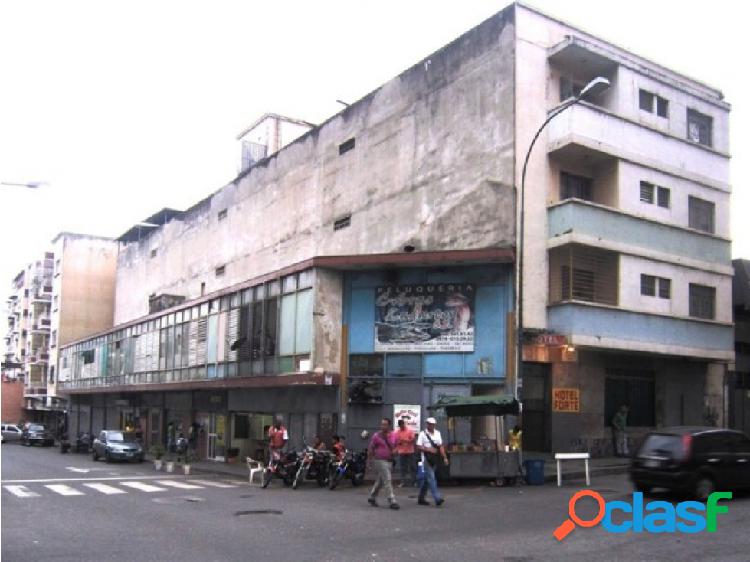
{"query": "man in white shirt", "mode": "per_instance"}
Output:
(430, 445)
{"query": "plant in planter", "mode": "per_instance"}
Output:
(157, 451)
(232, 455)
(169, 462)
(186, 458)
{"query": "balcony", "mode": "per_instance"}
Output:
(40, 328)
(581, 273)
(38, 358)
(599, 132)
(574, 220)
(599, 326)
(41, 297)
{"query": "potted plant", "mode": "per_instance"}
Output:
(157, 451)
(169, 463)
(232, 454)
(187, 459)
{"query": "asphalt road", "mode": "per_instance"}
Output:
(98, 511)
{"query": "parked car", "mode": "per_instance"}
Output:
(36, 433)
(11, 432)
(117, 445)
(692, 460)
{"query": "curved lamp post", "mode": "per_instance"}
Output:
(592, 89)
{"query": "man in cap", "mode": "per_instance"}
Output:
(430, 443)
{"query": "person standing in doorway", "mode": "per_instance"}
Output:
(430, 444)
(380, 459)
(619, 426)
(405, 453)
(277, 439)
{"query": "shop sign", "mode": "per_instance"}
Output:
(566, 400)
(410, 413)
(432, 317)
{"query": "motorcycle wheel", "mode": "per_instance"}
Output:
(288, 480)
(95, 456)
(358, 479)
(301, 474)
(334, 480)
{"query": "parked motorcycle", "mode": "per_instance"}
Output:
(83, 442)
(351, 467)
(313, 465)
(283, 466)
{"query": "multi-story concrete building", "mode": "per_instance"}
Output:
(371, 262)
(739, 388)
(54, 301)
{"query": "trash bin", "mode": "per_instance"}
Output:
(534, 469)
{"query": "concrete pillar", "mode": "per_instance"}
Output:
(714, 402)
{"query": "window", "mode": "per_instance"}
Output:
(662, 197)
(220, 270)
(579, 286)
(569, 88)
(573, 186)
(702, 301)
(154, 252)
(699, 127)
(652, 286)
(346, 146)
(222, 214)
(203, 288)
(647, 192)
(634, 389)
(652, 103)
(343, 222)
(701, 214)
(88, 356)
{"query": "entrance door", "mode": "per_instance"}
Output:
(216, 437)
(535, 395)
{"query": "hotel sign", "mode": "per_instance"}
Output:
(566, 400)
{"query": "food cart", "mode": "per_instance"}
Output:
(487, 459)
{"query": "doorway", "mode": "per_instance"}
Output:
(535, 395)
(217, 437)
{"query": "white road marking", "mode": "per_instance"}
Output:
(64, 490)
(104, 488)
(237, 482)
(212, 483)
(143, 487)
(21, 491)
(89, 479)
(178, 484)
(76, 469)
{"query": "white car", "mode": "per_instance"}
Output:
(11, 432)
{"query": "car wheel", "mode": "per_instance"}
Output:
(704, 487)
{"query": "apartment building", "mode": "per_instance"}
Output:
(371, 263)
(67, 295)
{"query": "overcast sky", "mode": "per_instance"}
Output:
(127, 107)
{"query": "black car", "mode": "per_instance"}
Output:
(35, 433)
(692, 460)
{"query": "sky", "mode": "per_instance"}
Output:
(123, 108)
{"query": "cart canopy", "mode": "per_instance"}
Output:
(489, 405)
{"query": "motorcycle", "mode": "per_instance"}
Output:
(313, 465)
(283, 466)
(352, 466)
(83, 442)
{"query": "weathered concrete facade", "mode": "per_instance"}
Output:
(432, 168)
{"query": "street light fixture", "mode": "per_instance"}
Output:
(596, 87)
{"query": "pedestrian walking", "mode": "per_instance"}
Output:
(277, 439)
(380, 454)
(405, 439)
(619, 427)
(430, 444)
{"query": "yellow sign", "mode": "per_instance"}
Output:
(566, 400)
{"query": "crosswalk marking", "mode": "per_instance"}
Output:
(178, 484)
(212, 483)
(143, 487)
(104, 488)
(21, 491)
(64, 490)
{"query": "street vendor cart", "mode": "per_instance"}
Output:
(486, 459)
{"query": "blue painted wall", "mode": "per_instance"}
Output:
(493, 301)
(574, 216)
(625, 325)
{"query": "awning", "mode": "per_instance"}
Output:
(489, 405)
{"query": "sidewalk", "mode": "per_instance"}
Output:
(571, 470)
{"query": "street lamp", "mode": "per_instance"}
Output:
(594, 88)
(29, 185)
